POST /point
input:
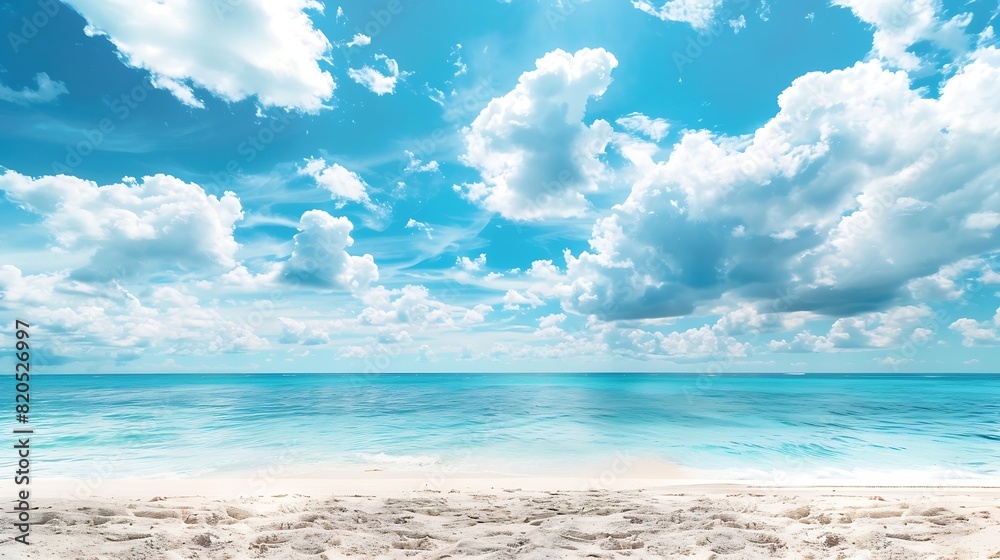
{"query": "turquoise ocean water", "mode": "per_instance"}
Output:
(780, 428)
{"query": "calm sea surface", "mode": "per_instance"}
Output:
(783, 428)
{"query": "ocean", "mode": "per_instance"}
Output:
(780, 429)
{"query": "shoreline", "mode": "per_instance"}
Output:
(639, 475)
(396, 482)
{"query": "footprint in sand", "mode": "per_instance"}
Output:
(628, 543)
(239, 513)
(417, 544)
(127, 537)
(203, 540)
(157, 513)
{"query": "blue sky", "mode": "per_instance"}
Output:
(531, 185)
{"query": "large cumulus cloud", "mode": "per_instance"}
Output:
(536, 156)
(235, 50)
(158, 224)
(320, 258)
(857, 186)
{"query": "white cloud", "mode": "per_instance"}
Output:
(47, 90)
(692, 343)
(392, 335)
(551, 320)
(311, 333)
(242, 280)
(984, 221)
(654, 129)
(697, 13)
(934, 287)
(409, 305)
(975, 333)
(107, 321)
(426, 354)
(888, 329)
(543, 270)
(738, 24)
(337, 179)
(513, 300)
(764, 12)
(435, 95)
(944, 284)
(802, 342)
(182, 92)
(900, 24)
(234, 50)
(881, 330)
(857, 186)
(320, 259)
(535, 155)
(413, 224)
(894, 362)
(360, 40)
(354, 351)
(989, 276)
(471, 265)
(747, 318)
(460, 67)
(374, 80)
(414, 165)
(477, 314)
(549, 326)
(704, 341)
(33, 290)
(159, 224)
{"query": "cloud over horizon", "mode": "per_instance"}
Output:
(486, 200)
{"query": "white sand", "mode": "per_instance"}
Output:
(380, 515)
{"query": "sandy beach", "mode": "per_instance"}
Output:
(381, 515)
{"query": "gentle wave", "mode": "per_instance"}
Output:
(380, 459)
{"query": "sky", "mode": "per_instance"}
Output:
(707, 186)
